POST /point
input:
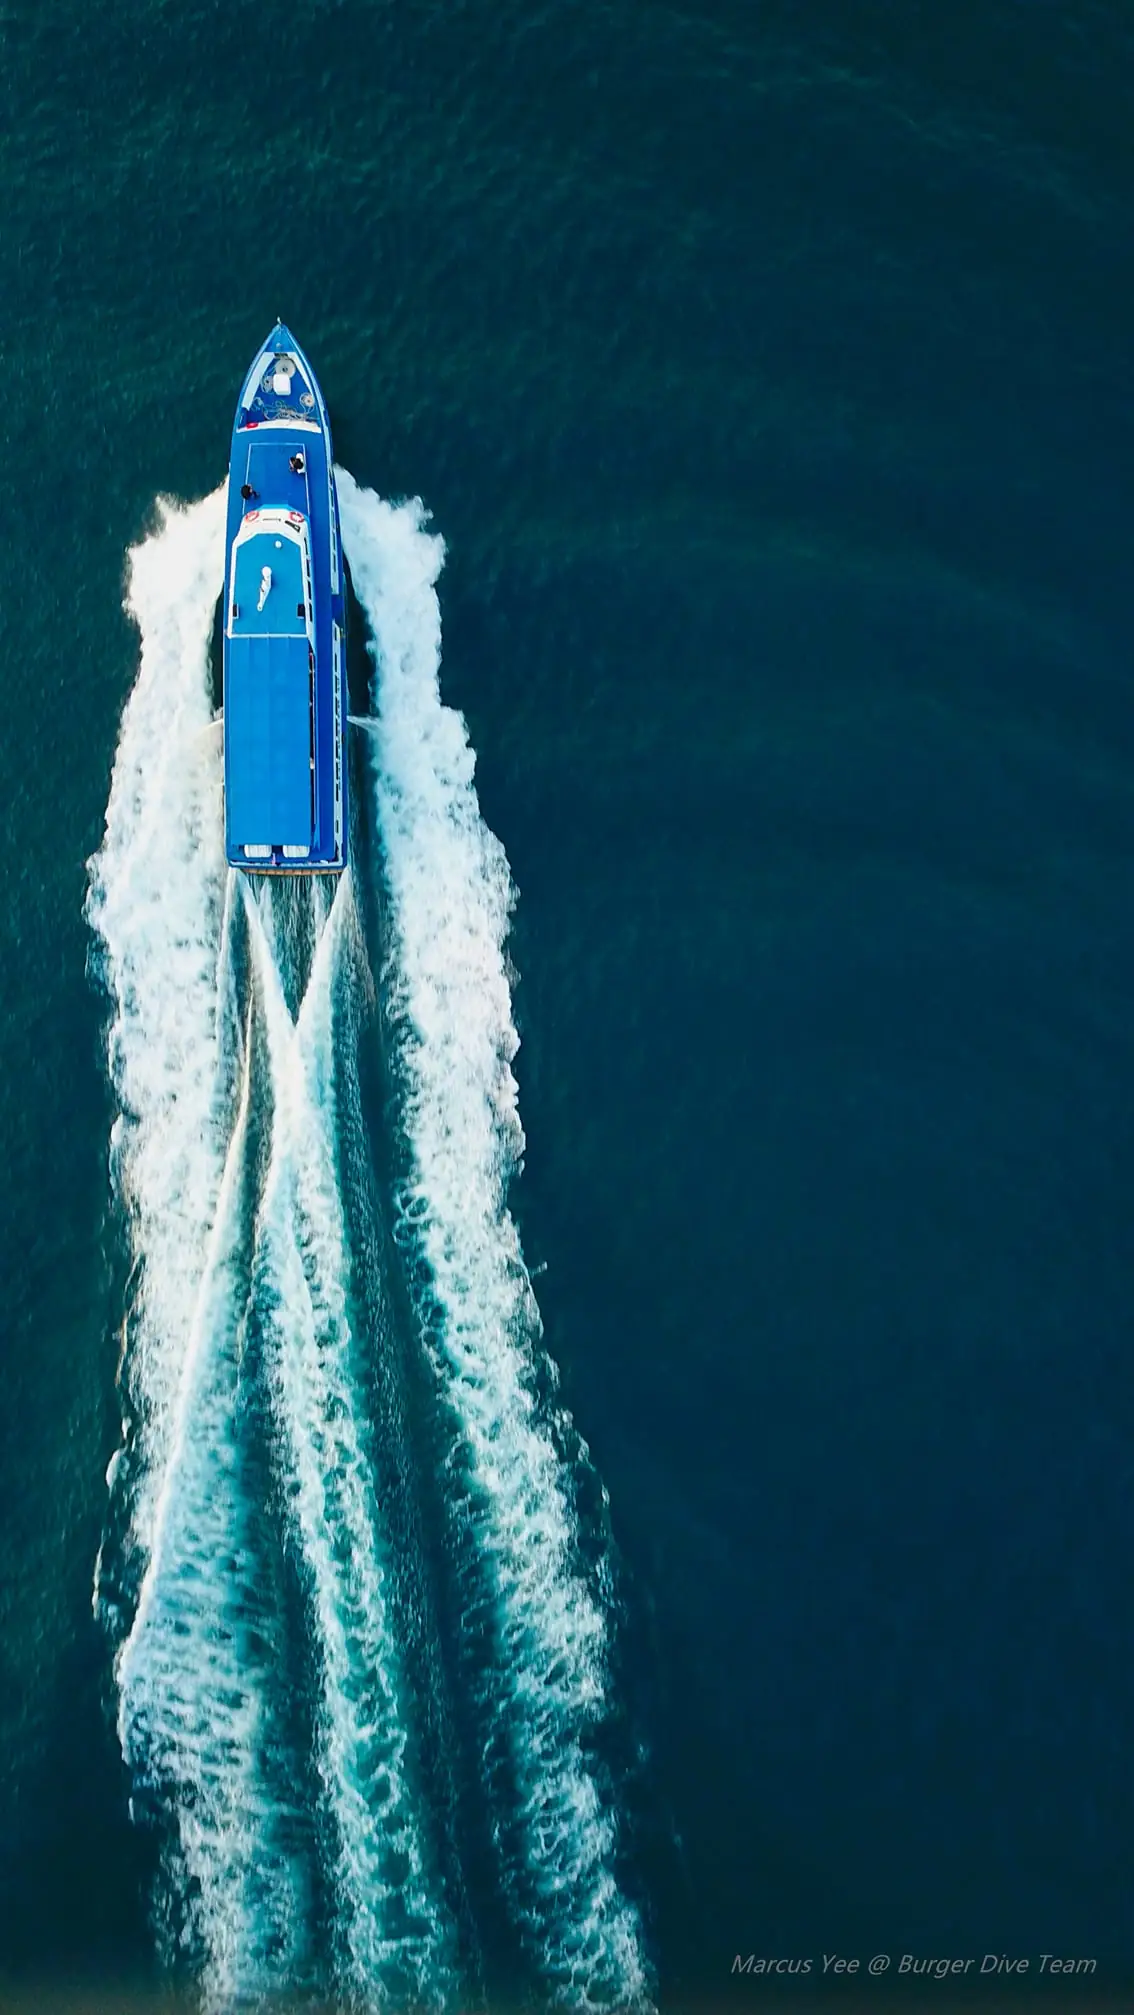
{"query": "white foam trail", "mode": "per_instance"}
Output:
(193, 1716)
(192, 1712)
(394, 1937)
(450, 896)
(155, 901)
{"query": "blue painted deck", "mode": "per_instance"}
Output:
(283, 709)
(268, 722)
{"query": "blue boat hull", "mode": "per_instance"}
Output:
(284, 629)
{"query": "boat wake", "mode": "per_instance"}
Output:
(313, 1582)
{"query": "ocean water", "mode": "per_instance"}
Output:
(568, 1408)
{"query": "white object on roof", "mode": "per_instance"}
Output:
(265, 587)
(258, 853)
(281, 384)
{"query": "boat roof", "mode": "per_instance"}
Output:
(269, 779)
(269, 590)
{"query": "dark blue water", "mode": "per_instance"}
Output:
(767, 374)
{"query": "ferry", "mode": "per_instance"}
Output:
(284, 628)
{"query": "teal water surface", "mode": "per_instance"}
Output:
(766, 375)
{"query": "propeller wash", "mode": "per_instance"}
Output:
(317, 1751)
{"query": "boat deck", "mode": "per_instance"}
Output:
(271, 772)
